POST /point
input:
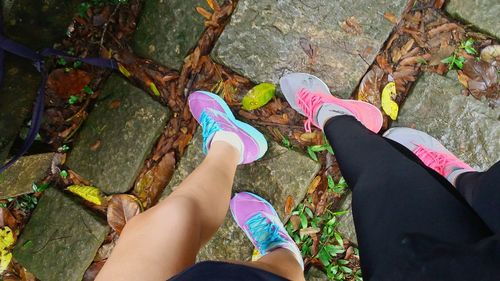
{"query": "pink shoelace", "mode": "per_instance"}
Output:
(310, 104)
(443, 163)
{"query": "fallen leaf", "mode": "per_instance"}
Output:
(123, 70)
(66, 84)
(93, 270)
(6, 241)
(309, 231)
(288, 205)
(490, 53)
(204, 13)
(213, 5)
(154, 89)
(308, 137)
(369, 88)
(463, 79)
(351, 25)
(314, 184)
(122, 208)
(95, 146)
(295, 220)
(391, 17)
(89, 193)
(258, 96)
(389, 106)
(115, 104)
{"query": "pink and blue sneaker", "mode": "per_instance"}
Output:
(213, 114)
(260, 222)
(308, 95)
(430, 151)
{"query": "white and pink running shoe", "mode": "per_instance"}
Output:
(260, 222)
(307, 94)
(430, 151)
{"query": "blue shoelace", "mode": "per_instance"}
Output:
(264, 232)
(209, 128)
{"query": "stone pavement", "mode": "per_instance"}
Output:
(117, 137)
(281, 173)
(266, 39)
(482, 14)
(336, 40)
(61, 238)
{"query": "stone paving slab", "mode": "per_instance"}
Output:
(466, 126)
(268, 38)
(19, 178)
(167, 30)
(117, 136)
(281, 173)
(61, 238)
(18, 91)
(482, 14)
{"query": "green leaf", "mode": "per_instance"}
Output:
(460, 62)
(331, 182)
(73, 99)
(258, 96)
(339, 239)
(312, 154)
(448, 60)
(324, 257)
(62, 61)
(40, 188)
(346, 269)
(286, 142)
(63, 148)
(88, 90)
(77, 64)
(343, 262)
(309, 212)
(303, 220)
(63, 174)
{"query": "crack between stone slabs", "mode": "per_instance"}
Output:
(406, 10)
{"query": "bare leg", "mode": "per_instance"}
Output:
(164, 240)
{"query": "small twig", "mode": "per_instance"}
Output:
(105, 29)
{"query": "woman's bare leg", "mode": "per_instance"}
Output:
(164, 240)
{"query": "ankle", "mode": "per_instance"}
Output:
(230, 139)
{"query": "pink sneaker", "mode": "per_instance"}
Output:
(260, 222)
(214, 115)
(432, 153)
(307, 94)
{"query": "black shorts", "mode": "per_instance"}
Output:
(224, 271)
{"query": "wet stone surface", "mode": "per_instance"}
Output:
(61, 238)
(281, 173)
(117, 136)
(483, 14)
(335, 40)
(168, 29)
(467, 127)
(19, 178)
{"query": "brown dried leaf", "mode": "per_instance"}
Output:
(295, 220)
(204, 13)
(122, 208)
(288, 205)
(115, 104)
(64, 84)
(213, 5)
(93, 270)
(351, 25)
(314, 184)
(391, 17)
(309, 231)
(95, 146)
(369, 88)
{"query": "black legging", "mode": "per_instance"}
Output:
(411, 223)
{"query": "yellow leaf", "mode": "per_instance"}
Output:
(213, 5)
(6, 238)
(153, 88)
(389, 106)
(256, 255)
(89, 193)
(6, 241)
(258, 96)
(123, 70)
(5, 257)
